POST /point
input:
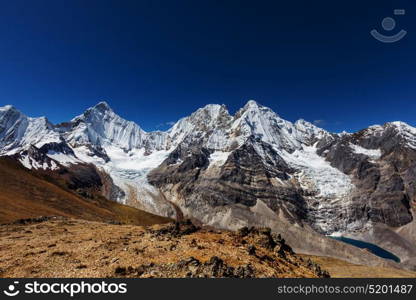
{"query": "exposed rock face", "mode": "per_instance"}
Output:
(382, 163)
(108, 188)
(243, 179)
(249, 169)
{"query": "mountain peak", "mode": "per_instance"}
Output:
(252, 107)
(103, 106)
(9, 111)
(304, 123)
(309, 130)
(405, 130)
(213, 109)
(400, 124)
(252, 103)
(97, 112)
(7, 108)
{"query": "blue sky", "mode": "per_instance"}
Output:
(157, 61)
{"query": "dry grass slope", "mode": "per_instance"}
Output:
(61, 247)
(26, 194)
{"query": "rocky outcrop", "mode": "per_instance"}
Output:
(263, 248)
(189, 268)
(109, 189)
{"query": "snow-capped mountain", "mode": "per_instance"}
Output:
(250, 168)
(216, 129)
(208, 125)
(259, 121)
(100, 126)
(18, 131)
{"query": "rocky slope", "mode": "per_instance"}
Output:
(252, 168)
(45, 248)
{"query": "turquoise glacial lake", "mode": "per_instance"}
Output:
(376, 250)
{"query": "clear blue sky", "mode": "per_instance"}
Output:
(156, 61)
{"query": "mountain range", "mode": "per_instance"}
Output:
(228, 171)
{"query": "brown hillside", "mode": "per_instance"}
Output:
(45, 248)
(27, 194)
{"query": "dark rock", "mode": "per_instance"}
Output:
(81, 266)
(243, 231)
(177, 229)
(317, 269)
(120, 271)
(34, 220)
(59, 253)
(244, 272)
(251, 250)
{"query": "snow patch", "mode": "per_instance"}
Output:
(315, 173)
(64, 159)
(29, 163)
(218, 158)
(372, 153)
(25, 161)
(129, 171)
